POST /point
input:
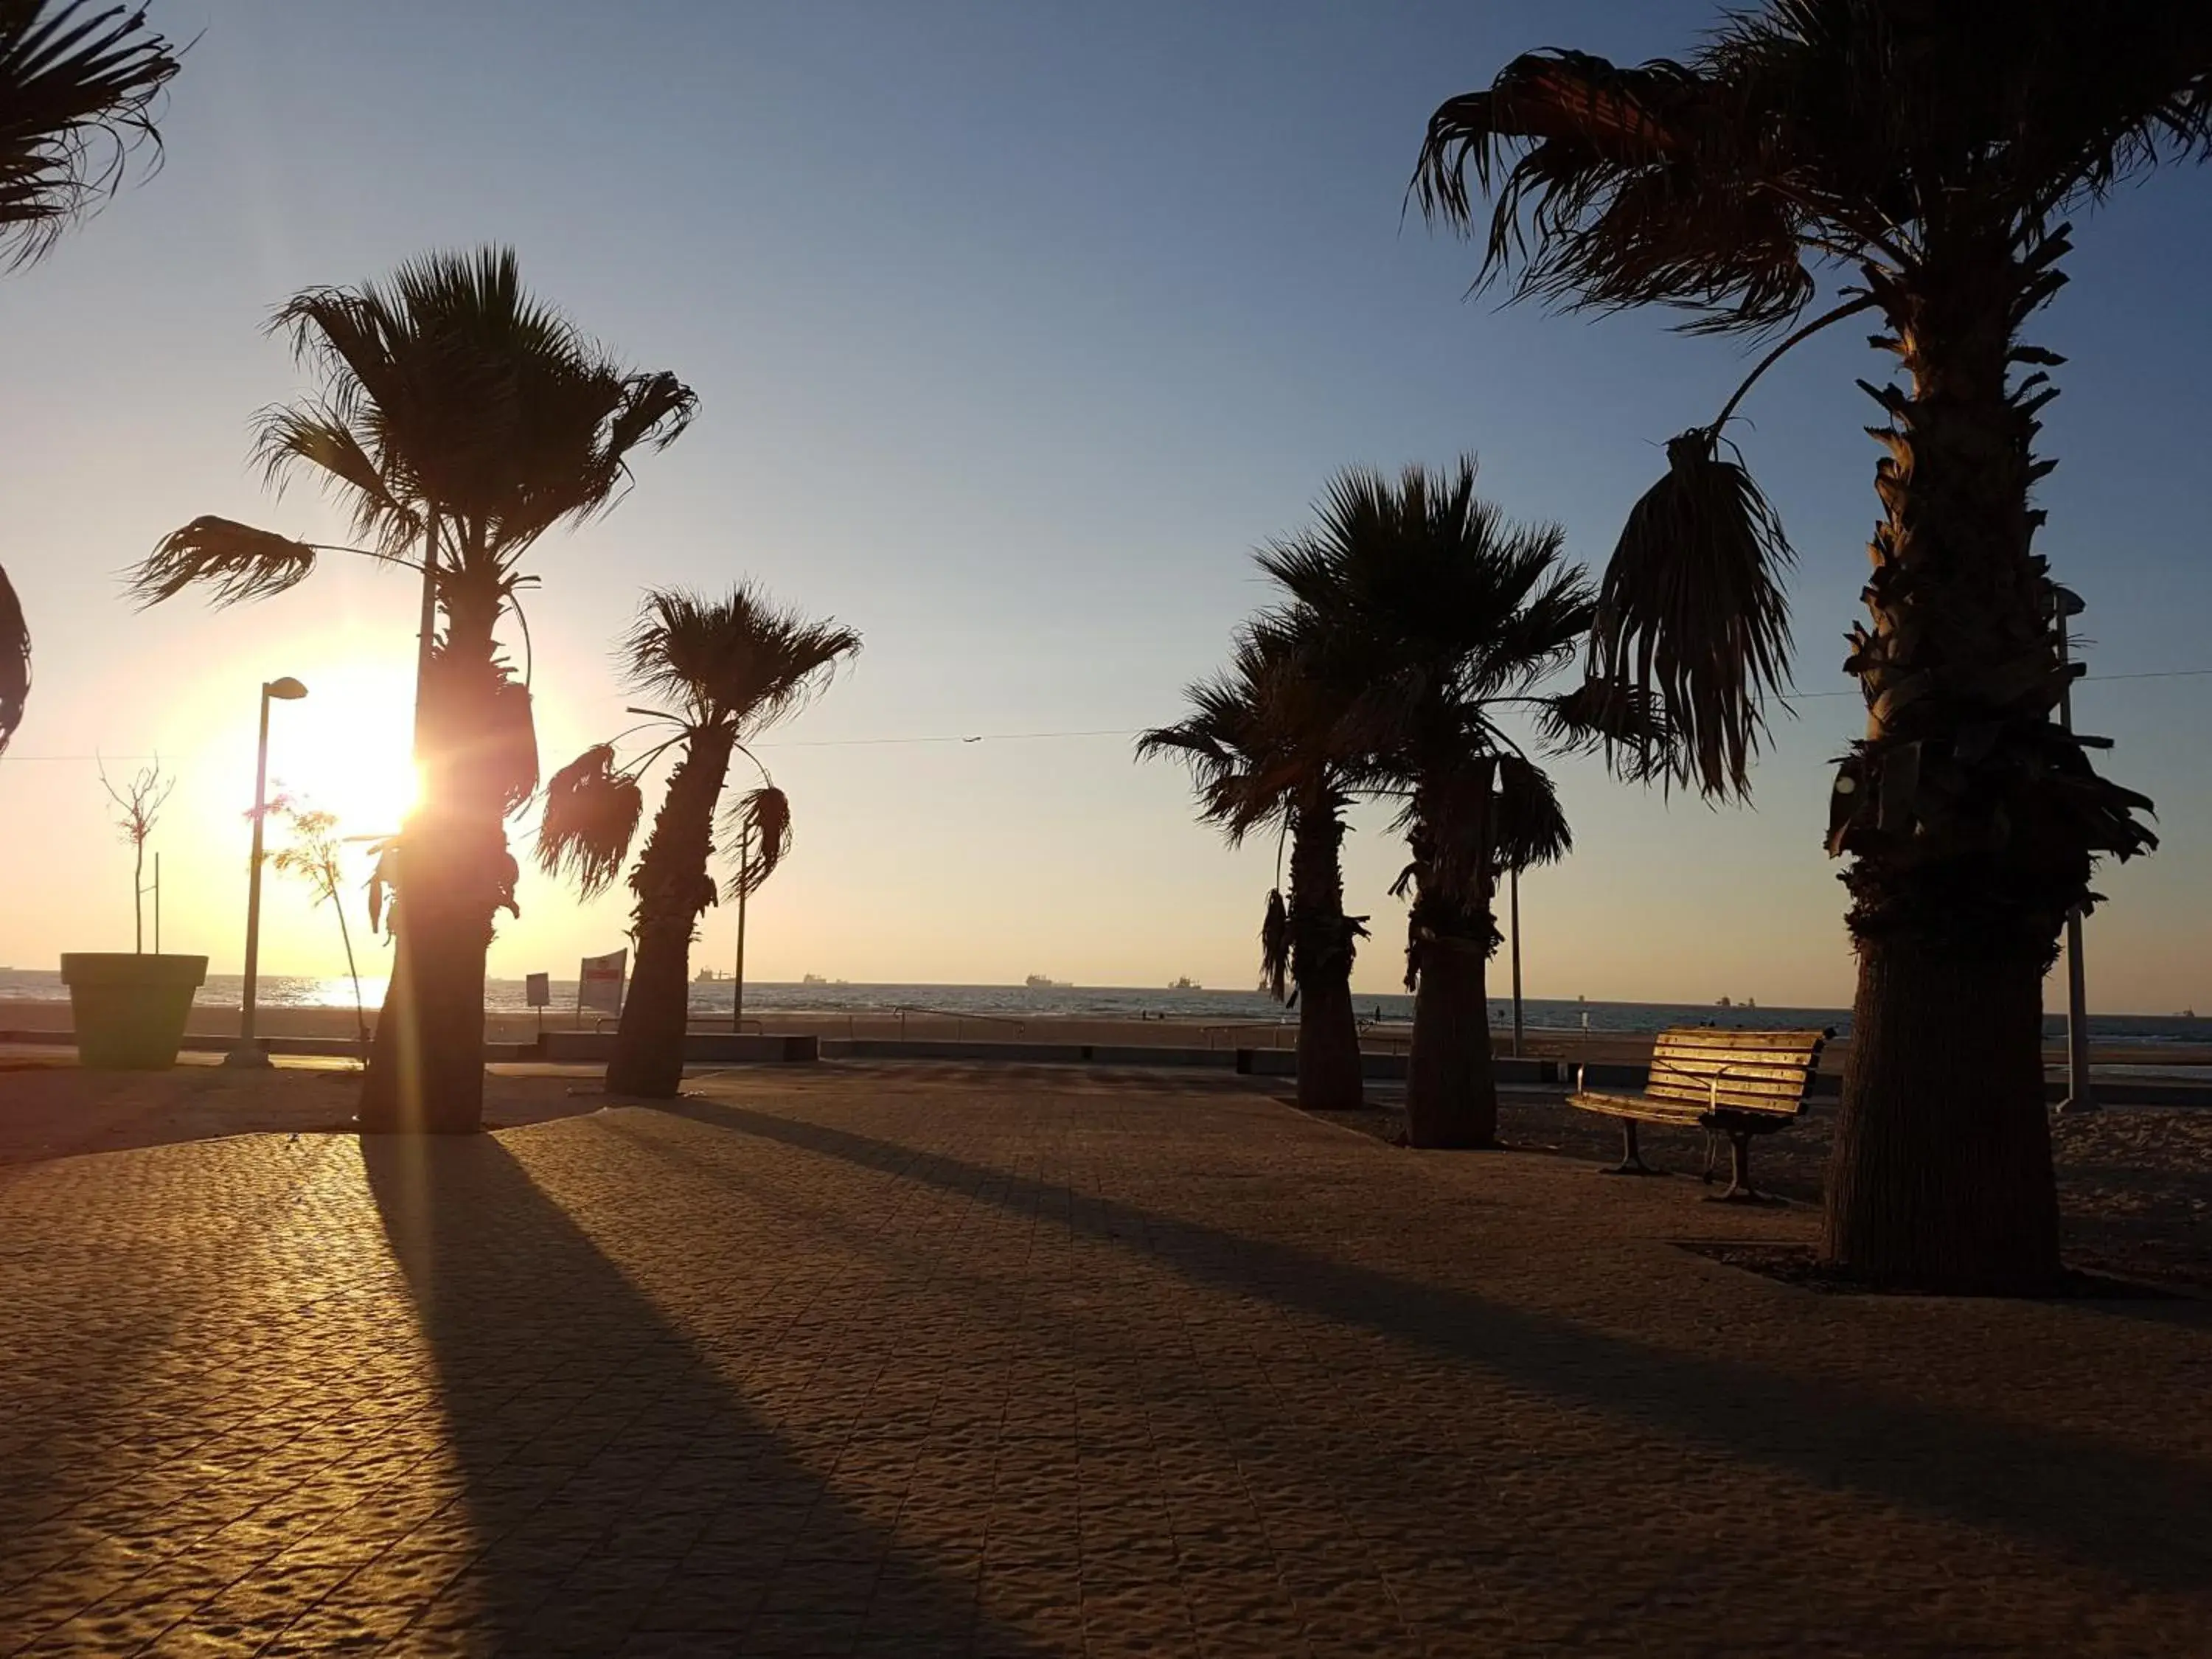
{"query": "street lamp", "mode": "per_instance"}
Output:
(247, 1051)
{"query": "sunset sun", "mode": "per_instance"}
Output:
(345, 747)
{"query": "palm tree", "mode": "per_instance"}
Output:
(1257, 744)
(1931, 155)
(1433, 615)
(726, 669)
(76, 97)
(460, 421)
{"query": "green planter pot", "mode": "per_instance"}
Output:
(129, 1010)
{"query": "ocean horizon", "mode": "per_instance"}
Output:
(1067, 1001)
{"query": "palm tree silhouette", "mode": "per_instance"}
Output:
(76, 97)
(459, 420)
(1432, 616)
(1931, 154)
(1258, 743)
(728, 669)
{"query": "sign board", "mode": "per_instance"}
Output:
(538, 987)
(600, 982)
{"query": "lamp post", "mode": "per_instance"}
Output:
(745, 880)
(1513, 879)
(247, 1051)
(2066, 605)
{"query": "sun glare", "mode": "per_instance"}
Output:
(345, 748)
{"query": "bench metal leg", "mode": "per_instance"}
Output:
(1713, 1154)
(1631, 1162)
(1739, 1189)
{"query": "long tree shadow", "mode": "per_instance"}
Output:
(619, 1486)
(2146, 1518)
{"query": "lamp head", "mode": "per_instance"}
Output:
(288, 688)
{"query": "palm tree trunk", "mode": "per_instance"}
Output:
(1451, 1090)
(1451, 1087)
(1972, 818)
(1321, 962)
(426, 1064)
(673, 886)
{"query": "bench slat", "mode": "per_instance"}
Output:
(1637, 1106)
(1778, 1059)
(1789, 1102)
(1751, 1088)
(1711, 1037)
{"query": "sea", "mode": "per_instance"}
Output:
(711, 998)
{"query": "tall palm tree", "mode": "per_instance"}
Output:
(1930, 157)
(1434, 616)
(459, 420)
(1257, 741)
(76, 98)
(725, 670)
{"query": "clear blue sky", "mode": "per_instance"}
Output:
(1016, 326)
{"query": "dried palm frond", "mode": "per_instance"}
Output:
(238, 561)
(14, 661)
(76, 97)
(1531, 826)
(760, 821)
(382, 884)
(1691, 616)
(1275, 947)
(1613, 717)
(591, 816)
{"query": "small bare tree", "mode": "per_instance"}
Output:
(312, 856)
(138, 808)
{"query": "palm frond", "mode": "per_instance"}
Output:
(14, 661)
(1611, 717)
(77, 92)
(760, 821)
(741, 660)
(591, 817)
(312, 435)
(448, 384)
(1427, 606)
(1532, 827)
(238, 561)
(1692, 614)
(1275, 947)
(1618, 186)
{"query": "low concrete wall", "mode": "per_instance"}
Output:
(700, 1047)
(1389, 1068)
(1031, 1053)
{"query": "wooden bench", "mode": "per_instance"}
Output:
(1732, 1084)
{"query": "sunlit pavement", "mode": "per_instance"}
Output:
(1014, 1361)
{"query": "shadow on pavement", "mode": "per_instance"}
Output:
(620, 1489)
(2145, 1518)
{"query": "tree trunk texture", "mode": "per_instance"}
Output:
(478, 762)
(673, 886)
(1322, 951)
(1941, 1168)
(1451, 1087)
(1970, 818)
(1451, 1090)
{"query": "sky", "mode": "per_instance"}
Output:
(1016, 327)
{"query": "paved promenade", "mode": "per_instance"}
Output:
(927, 1360)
